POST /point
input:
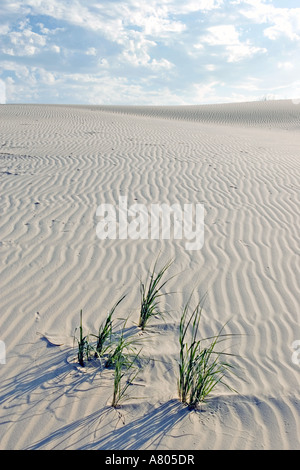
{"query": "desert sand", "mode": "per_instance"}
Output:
(57, 165)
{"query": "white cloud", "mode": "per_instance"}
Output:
(242, 51)
(210, 67)
(153, 20)
(105, 89)
(192, 6)
(48, 31)
(205, 93)
(283, 21)
(135, 51)
(7, 50)
(4, 29)
(29, 82)
(222, 35)
(199, 46)
(21, 71)
(55, 48)
(124, 51)
(91, 51)
(229, 37)
(118, 23)
(24, 43)
(249, 84)
(286, 23)
(160, 64)
(103, 63)
(285, 65)
(47, 77)
(79, 13)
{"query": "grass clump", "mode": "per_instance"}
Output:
(124, 359)
(123, 367)
(84, 347)
(105, 332)
(150, 293)
(201, 368)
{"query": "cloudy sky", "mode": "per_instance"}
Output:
(167, 52)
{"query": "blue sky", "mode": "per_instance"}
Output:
(149, 52)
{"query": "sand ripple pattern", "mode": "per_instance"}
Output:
(284, 114)
(57, 164)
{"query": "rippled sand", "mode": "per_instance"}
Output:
(57, 165)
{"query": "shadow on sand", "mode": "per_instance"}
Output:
(44, 383)
(145, 432)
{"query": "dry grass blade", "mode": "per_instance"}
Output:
(150, 293)
(201, 368)
(105, 331)
(124, 359)
(84, 347)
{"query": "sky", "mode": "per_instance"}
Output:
(149, 52)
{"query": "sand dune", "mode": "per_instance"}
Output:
(57, 165)
(281, 114)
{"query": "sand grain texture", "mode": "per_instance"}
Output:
(57, 164)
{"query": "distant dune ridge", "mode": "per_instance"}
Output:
(58, 163)
(283, 113)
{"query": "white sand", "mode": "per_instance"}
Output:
(57, 164)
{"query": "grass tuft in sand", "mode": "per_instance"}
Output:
(201, 366)
(150, 293)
